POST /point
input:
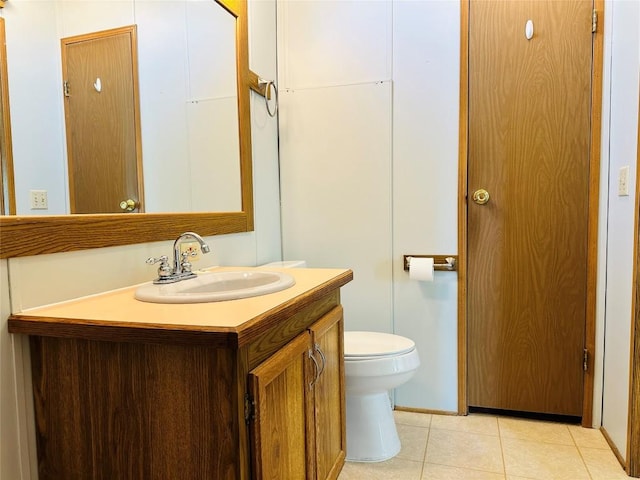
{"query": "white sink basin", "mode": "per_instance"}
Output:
(216, 287)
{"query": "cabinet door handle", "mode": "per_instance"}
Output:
(317, 368)
(324, 359)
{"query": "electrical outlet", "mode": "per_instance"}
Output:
(39, 199)
(623, 181)
(191, 248)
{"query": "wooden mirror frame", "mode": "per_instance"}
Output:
(34, 235)
(7, 197)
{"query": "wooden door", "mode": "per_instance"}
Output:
(102, 121)
(280, 389)
(329, 394)
(529, 130)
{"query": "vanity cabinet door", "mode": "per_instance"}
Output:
(329, 399)
(282, 397)
(298, 428)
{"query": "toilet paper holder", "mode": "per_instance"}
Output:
(446, 263)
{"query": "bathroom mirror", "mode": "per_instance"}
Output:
(30, 234)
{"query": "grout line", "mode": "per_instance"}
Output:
(504, 463)
(472, 469)
(426, 448)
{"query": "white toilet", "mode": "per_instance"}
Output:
(374, 363)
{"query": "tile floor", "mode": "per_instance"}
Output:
(484, 447)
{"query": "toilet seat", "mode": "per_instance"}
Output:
(374, 345)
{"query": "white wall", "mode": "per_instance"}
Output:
(31, 281)
(426, 72)
(619, 148)
(369, 144)
(335, 147)
(38, 139)
(9, 433)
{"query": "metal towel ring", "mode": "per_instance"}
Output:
(268, 83)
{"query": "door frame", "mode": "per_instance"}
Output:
(633, 436)
(593, 206)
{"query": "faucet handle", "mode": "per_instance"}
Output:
(164, 270)
(185, 263)
(154, 260)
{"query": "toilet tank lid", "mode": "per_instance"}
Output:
(367, 344)
(287, 264)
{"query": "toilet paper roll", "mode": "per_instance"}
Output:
(421, 269)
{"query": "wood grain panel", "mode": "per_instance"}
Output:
(280, 390)
(8, 200)
(114, 332)
(67, 233)
(261, 324)
(594, 211)
(120, 408)
(243, 416)
(463, 143)
(529, 147)
(284, 331)
(330, 422)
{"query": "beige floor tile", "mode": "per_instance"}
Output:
(485, 424)
(413, 441)
(464, 449)
(588, 437)
(394, 469)
(546, 432)
(443, 472)
(602, 464)
(412, 418)
(543, 461)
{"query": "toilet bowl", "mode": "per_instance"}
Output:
(374, 363)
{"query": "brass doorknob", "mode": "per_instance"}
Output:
(480, 196)
(128, 205)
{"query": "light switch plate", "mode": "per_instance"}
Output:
(38, 199)
(623, 181)
(191, 248)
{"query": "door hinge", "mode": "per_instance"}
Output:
(249, 408)
(585, 360)
(65, 88)
(594, 21)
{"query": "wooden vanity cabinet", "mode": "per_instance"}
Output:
(117, 402)
(298, 423)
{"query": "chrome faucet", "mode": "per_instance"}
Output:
(181, 260)
(181, 269)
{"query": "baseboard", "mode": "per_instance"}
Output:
(614, 449)
(424, 410)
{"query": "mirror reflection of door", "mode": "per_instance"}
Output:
(102, 121)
